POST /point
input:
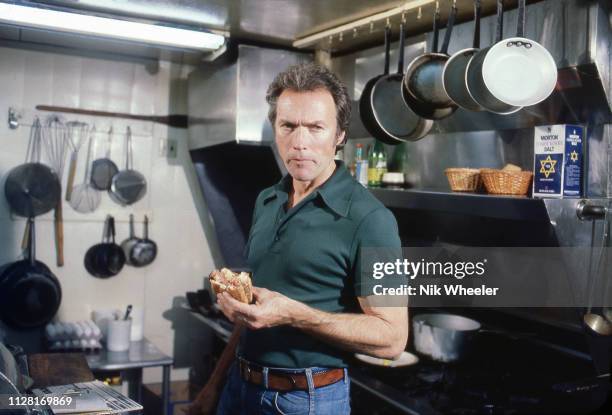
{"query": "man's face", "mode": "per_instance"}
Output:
(305, 130)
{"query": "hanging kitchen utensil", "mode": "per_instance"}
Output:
(106, 259)
(129, 243)
(519, 71)
(77, 133)
(30, 294)
(475, 81)
(56, 144)
(33, 188)
(393, 122)
(423, 86)
(128, 186)
(455, 70)
(172, 120)
(85, 198)
(103, 169)
(145, 250)
(596, 322)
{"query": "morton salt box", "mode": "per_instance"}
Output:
(558, 161)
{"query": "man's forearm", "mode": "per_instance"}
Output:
(219, 374)
(355, 332)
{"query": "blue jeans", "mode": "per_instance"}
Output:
(240, 397)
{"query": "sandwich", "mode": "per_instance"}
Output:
(238, 285)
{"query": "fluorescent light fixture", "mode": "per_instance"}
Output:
(112, 28)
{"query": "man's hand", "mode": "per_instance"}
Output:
(270, 309)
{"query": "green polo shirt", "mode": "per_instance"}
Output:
(311, 253)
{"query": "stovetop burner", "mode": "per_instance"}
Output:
(501, 376)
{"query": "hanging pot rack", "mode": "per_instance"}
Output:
(340, 36)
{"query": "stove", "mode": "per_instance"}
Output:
(501, 375)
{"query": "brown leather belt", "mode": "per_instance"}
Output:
(285, 381)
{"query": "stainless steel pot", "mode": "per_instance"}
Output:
(443, 337)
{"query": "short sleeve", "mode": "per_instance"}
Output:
(376, 241)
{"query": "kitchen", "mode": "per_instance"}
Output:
(192, 121)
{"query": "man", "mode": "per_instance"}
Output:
(288, 352)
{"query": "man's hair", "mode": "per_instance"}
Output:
(309, 77)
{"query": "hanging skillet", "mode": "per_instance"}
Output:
(475, 82)
(30, 294)
(33, 188)
(103, 169)
(395, 120)
(128, 186)
(145, 250)
(423, 86)
(455, 70)
(106, 259)
(519, 71)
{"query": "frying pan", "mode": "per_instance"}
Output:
(394, 119)
(129, 243)
(145, 250)
(106, 259)
(33, 188)
(128, 186)
(423, 86)
(475, 81)
(454, 73)
(103, 169)
(519, 71)
(30, 294)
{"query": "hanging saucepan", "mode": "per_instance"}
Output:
(104, 169)
(33, 188)
(455, 70)
(475, 82)
(145, 250)
(30, 294)
(519, 71)
(106, 259)
(396, 122)
(128, 186)
(423, 86)
(129, 243)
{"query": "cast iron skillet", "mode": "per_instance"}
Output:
(423, 86)
(30, 294)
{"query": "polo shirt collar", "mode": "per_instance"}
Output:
(336, 192)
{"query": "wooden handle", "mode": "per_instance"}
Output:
(173, 120)
(71, 174)
(59, 234)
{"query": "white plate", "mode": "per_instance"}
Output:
(405, 359)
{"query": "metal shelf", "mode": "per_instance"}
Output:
(501, 207)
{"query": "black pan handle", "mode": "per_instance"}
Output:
(436, 26)
(520, 26)
(31, 242)
(400, 59)
(111, 228)
(449, 29)
(499, 34)
(477, 13)
(146, 228)
(387, 48)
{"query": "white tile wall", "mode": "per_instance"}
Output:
(29, 78)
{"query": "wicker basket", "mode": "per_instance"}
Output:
(463, 180)
(506, 182)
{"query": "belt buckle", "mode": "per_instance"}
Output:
(292, 379)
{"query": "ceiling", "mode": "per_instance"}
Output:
(271, 21)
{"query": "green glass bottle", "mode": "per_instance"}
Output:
(377, 163)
